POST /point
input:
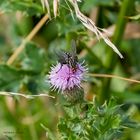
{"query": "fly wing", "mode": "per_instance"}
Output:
(73, 47)
(73, 51)
(61, 56)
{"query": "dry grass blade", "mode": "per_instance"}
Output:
(55, 7)
(113, 76)
(45, 4)
(132, 31)
(88, 23)
(109, 43)
(4, 93)
(28, 38)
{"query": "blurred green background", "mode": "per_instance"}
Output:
(24, 119)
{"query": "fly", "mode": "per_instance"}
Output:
(69, 58)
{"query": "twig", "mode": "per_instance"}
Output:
(28, 38)
(114, 76)
(4, 93)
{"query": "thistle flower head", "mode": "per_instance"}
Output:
(68, 74)
(63, 77)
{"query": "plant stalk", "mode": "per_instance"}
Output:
(125, 11)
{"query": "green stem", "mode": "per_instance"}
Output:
(125, 10)
(120, 27)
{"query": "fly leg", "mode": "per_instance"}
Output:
(60, 68)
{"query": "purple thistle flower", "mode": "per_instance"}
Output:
(68, 74)
(65, 78)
